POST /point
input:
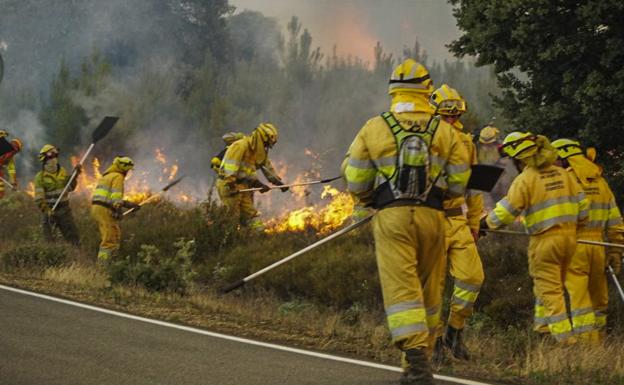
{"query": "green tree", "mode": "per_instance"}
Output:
(559, 64)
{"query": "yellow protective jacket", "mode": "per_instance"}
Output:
(604, 214)
(473, 200)
(109, 190)
(10, 168)
(243, 158)
(547, 197)
(48, 187)
(373, 154)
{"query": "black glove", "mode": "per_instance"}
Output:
(131, 205)
(78, 169)
(280, 183)
(263, 188)
(483, 227)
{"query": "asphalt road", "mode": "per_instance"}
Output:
(45, 342)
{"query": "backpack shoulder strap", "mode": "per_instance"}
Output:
(391, 121)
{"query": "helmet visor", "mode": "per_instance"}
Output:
(452, 107)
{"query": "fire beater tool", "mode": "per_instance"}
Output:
(153, 197)
(292, 185)
(6, 182)
(241, 282)
(584, 241)
(100, 132)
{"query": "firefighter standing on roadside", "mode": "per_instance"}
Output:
(553, 204)
(49, 183)
(107, 206)
(238, 171)
(7, 160)
(589, 285)
(402, 163)
(462, 230)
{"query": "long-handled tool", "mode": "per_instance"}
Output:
(292, 185)
(241, 282)
(8, 183)
(615, 281)
(584, 241)
(100, 132)
(153, 197)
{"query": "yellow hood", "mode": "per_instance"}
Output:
(113, 168)
(458, 125)
(545, 155)
(411, 102)
(584, 168)
(257, 146)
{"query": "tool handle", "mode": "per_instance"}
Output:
(73, 176)
(233, 286)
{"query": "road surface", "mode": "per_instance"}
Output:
(49, 341)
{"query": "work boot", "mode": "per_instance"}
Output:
(419, 371)
(454, 341)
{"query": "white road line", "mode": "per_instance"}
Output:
(232, 338)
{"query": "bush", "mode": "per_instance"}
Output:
(34, 256)
(157, 271)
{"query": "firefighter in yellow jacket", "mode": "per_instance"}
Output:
(108, 206)
(403, 163)
(462, 230)
(238, 171)
(49, 183)
(589, 286)
(553, 204)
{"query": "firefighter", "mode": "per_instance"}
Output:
(402, 163)
(488, 153)
(238, 171)
(49, 183)
(552, 204)
(588, 286)
(108, 206)
(7, 160)
(463, 214)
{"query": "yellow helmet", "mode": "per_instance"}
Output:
(4, 134)
(268, 133)
(48, 151)
(447, 101)
(567, 147)
(488, 134)
(520, 145)
(591, 153)
(124, 163)
(410, 76)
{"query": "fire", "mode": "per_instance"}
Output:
(323, 218)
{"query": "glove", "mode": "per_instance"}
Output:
(483, 227)
(280, 183)
(78, 169)
(476, 233)
(15, 184)
(614, 259)
(131, 205)
(263, 188)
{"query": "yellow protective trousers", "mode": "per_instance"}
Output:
(549, 257)
(110, 233)
(466, 269)
(409, 244)
(240, 205)
(591, 286)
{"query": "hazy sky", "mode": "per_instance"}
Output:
(356, 25)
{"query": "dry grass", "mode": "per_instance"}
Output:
(78, 275)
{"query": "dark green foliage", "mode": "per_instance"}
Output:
(34, 255)
(559, 63)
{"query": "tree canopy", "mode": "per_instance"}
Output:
(559, 63)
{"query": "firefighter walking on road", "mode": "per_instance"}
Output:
(553, 204)
(238, 171)
(403, 163)
(108, 206)
(462, 230)
(7, 161)
(588, 286)
(49, 183)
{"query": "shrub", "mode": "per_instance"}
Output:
(157, 271)
(34, 256)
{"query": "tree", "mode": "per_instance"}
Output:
(559, 64)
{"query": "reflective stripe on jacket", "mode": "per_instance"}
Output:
(241, 160)
(547, 198)
(373, 156)
(109, 190)
(48, 187)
